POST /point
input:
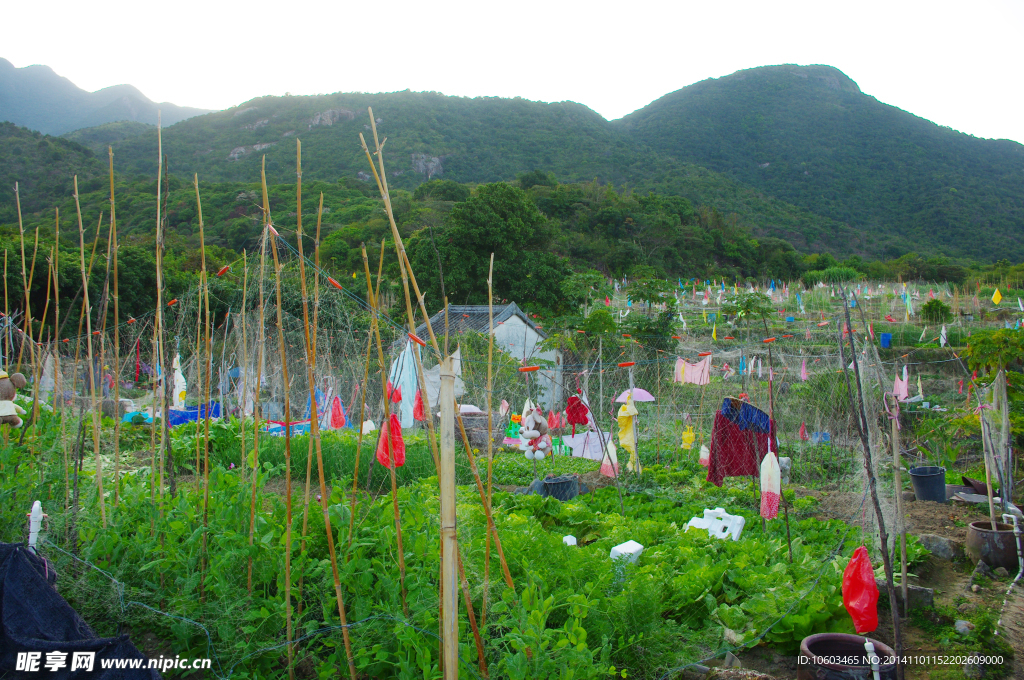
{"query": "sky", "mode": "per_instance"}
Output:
(955, 63)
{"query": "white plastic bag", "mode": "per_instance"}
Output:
(771, 486)
(705, 456)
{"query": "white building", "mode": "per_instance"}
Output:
(515, 334)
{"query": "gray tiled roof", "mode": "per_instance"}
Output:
(463, 318)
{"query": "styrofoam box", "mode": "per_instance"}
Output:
(630, 550)
(719, 523)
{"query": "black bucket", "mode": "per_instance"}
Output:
(837, 656)
(929, 483)
(563, 488)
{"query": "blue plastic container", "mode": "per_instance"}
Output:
(790, 319)
(886, 339)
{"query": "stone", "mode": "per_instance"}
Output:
(1001, 572)
(941, 547)
(785, 467)
(909, 496)
(732, 637)
(982, 569)
(975, 588)
(731, 661)
(965, 608)
(973, 668)
(963, 627)
(920, 598)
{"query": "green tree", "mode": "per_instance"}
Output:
(583, 287)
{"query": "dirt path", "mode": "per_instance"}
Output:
(1013, 628)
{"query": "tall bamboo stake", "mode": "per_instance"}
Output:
(375, 327)
(166, 458)
(314, 425)
(261, 339)
(490, 435)
(92, 373)
(491, 528)
(862, 428)
(287, 444)
(42, 324)
(245, 360)
(28, 316)
(58, 387)
(7, 317)
(117, 338)
(362, 410)
(24, 277)
(449, 541)
(207, 359)
(898, 483)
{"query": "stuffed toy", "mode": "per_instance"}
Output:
(534, 429)
(9, 411)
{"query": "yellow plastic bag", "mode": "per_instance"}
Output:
(688, 437)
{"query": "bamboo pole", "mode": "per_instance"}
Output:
(208, 359)
(58, 387)
(7, 316)
(491, 528)
(92, 373)
(287, 440)
(244, 362)
(117, 339)
(472, 619)
(24, 277)
(314, 425)
(449, 540)
(166, 453)
(375, 326)
(39, 336)
(490, 435)
(898, 483)
(362, 402)
(28, 317)
(261, 340)
(862, 429)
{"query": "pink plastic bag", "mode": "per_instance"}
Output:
(860, 593)
(771, 486)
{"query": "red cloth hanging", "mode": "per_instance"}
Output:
(337, 414)
(417, 407)
(576, 412)
(860, 592)
(803, 432)
(736, 452)
(391, 430)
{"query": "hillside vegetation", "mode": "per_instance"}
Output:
(809, 136)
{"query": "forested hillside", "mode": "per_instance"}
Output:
(808, 136)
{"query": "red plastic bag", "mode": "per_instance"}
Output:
(392, 430)
(860, 593)
(337, 414)
(417, 407)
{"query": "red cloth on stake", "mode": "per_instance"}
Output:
(417, 407)
(392, 429)
(736, 452)
(575, 412)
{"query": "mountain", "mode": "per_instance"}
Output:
(792, 152)
(432, 136)
(37, 98)
(807, 135)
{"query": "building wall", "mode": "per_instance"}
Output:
(516, 338)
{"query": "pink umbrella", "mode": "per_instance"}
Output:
(638, 395)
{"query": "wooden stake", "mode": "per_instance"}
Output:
(208, 369)
(92, 372)
(898, 483)
(862, 428)
(244, 362)
(449, 540)
(117, 338)
(261, 340)
(314, 425)
(287, 444)
(58, 387)
(24, 278)
(375, 327)
(490, 435)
